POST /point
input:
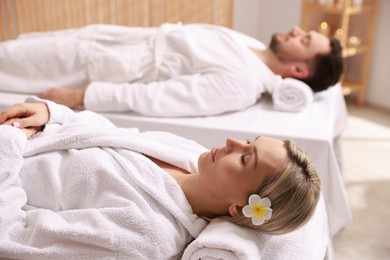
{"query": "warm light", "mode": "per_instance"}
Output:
(354, 41)
(339, 31)
(324, 28)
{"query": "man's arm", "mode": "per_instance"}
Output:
(189, 95)
(70, 97)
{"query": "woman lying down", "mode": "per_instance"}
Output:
(78, 186)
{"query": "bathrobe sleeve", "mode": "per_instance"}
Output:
(188, 95)
(60, 114)
(12, 144)
(12, 195)
(39, 233)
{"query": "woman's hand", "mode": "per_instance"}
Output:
(29, 117)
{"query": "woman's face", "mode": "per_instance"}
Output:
(233, 172)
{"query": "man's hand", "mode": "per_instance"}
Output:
(70, 97)
(29, 117)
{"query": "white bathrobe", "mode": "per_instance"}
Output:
(173, 70)
(83, 189)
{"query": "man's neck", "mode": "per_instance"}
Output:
(270, 59)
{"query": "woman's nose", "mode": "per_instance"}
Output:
(232, 144)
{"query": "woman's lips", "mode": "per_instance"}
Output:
(213, 153)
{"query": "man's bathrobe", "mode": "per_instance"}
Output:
(172, 70)
(83, 188)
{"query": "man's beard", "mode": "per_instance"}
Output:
(276, 47)
(274, 44)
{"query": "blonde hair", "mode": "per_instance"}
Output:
(294, 191)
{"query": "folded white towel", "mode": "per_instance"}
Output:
(291, 95)
(221, 240)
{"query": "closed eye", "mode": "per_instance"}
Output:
(306, 40)
(243, 158)
(244, 155)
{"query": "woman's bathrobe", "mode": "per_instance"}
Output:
(82, 188)
(172, 70)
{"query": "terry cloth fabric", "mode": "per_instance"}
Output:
(84, 189)
(291, 95)
(222, 240)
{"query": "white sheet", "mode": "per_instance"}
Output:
(316, 129)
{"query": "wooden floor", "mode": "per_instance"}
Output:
(366, 170)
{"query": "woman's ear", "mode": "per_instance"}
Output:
(235, 210)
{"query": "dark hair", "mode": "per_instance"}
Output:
(327, 68)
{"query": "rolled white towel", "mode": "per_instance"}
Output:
(291, 95)
(224, 240)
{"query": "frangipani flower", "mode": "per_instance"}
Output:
(258, 209)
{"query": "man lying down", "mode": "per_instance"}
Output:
(167, 71)
(75, 186)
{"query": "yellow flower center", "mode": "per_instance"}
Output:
(258, 210)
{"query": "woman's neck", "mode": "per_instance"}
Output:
(202, 202)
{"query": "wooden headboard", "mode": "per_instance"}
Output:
(21, 16)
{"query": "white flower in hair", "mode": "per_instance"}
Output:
(258, 209)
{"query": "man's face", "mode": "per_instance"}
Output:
(299, 45)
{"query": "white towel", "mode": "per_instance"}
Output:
(224, 240)
(291, 95)
(114, 203)
(221, 240)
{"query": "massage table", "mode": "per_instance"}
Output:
(320, 139)
(317, 129)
